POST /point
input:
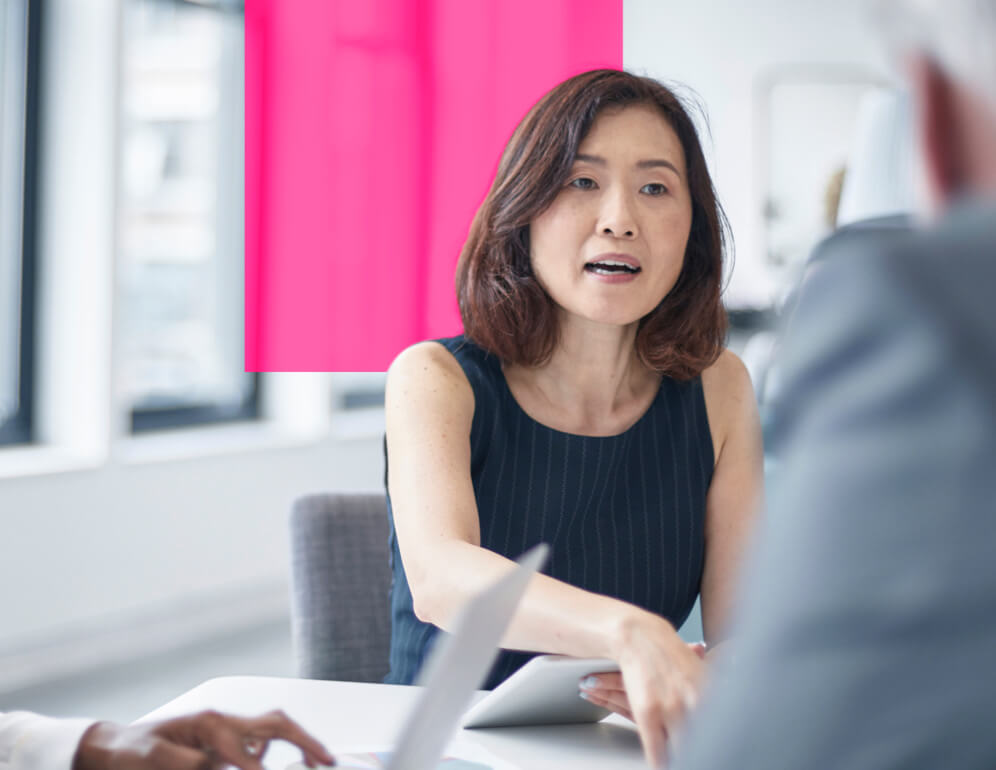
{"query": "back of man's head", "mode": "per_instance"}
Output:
(950, 47)
(960, 35)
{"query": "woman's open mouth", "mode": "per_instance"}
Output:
(611, 267)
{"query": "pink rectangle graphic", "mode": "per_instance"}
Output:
(373, 131)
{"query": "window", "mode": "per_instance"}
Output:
(180, 216)
(19, 43)
(358, 390)
(357, 404)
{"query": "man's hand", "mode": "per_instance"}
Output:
(198, 742)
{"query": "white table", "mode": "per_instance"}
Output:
(353, 716)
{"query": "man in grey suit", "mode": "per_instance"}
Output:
(866, 632)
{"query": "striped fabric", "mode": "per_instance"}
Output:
(623, 515)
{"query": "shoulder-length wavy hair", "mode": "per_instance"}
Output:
(503, 306)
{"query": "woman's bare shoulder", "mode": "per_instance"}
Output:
(427, 373)
(727, 376)
(729, 395)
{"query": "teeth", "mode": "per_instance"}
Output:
(606, 265)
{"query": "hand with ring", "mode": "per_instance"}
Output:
(201, 741)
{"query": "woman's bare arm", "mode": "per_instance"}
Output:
(736, 491)
(430, 407)
(732, 503)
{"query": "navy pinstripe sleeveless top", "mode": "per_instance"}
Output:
(624, 515)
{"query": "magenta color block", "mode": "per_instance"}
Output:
(373, 131)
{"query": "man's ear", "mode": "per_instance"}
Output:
(937, 122)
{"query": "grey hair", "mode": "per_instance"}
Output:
(959, 35)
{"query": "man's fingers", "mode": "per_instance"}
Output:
(241, 741)
(230, 747)
(224, 740)
(166, 754)
(276, 724)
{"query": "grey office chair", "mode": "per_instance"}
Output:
(340, 580)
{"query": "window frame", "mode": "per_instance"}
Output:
(18, 429)
(146, 420)
(179, 417)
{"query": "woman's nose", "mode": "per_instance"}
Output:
(616, 217)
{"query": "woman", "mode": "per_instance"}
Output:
(590, 404)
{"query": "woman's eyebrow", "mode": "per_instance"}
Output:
(598, 160)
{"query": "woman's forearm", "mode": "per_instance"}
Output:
(553, 617)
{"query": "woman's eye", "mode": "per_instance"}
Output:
(654, 188)
(583, 183)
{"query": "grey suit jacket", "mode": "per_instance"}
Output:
(865, 634)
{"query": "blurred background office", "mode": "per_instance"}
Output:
(145, 478)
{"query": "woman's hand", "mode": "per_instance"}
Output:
(658, 682)
(198, 742)
(607, 690)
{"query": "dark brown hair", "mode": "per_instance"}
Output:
(503, 306)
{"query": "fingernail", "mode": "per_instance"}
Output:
(584, 695)
(589, 682)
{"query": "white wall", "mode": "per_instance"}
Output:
(720, 48)
(153, 550)
(92, 543)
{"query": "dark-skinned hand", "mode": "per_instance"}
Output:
(203, 741)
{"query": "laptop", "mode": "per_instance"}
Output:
(456, 667)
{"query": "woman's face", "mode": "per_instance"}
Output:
(612, 243)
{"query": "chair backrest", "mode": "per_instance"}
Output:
(341, 580)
